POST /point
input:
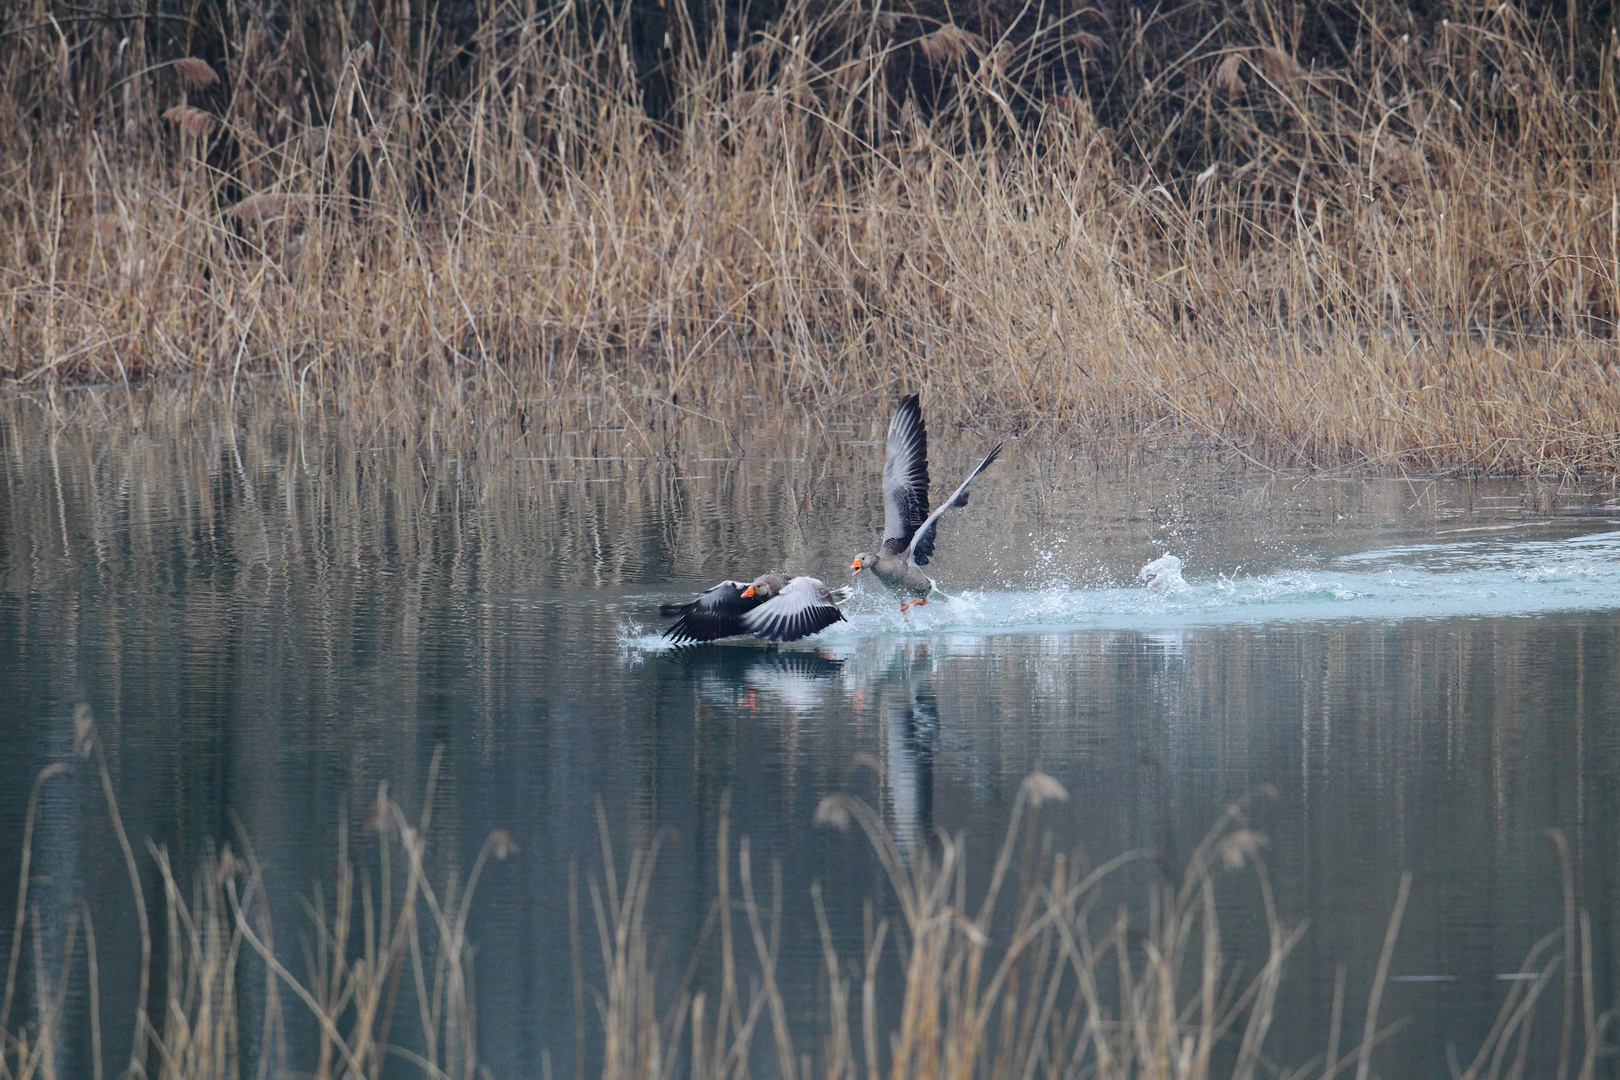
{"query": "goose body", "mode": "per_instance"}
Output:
(909, 530)
(898, 573)
(773, 607)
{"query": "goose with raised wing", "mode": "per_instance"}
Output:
(908, 527)
(773, 607)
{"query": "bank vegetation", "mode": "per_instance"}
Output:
(1366, 234)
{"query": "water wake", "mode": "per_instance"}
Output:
(1479, 578)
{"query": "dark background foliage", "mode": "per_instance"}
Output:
(1138, 66)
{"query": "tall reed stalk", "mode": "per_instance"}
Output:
(381, 941)
(1361, 237)
(1036, 977)
(1026, 974)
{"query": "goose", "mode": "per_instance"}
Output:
(773, 607)
(908, 527)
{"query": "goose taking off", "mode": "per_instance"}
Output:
(773, 607)
(908, 527)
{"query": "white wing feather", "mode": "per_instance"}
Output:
(804, 607)
(926, 529)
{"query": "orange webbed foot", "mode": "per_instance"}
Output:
(909, 604)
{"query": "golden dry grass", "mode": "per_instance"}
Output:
(1402, 254)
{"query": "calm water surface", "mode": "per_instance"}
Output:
(270, 621)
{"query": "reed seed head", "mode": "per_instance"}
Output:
(1238, 847)
(1040, 787)
(192, 121)
(950, 44)
(832, 811)
(195, 73)
(1283, 70)
(1229, 75)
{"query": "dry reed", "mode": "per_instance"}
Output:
(216, 940)
(1032, 978)
(1402, 252)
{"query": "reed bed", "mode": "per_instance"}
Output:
(1325, 237)
(383, 929)
(1026, 973)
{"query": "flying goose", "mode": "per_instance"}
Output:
(773, 607)
(908, 527)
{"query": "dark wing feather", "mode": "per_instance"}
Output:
(905, 476)
(715, 614)
(803, 608)
(922, 545)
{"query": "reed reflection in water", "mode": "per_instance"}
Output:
(271, 620)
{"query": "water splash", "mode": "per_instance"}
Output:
(1478, 577)
(635, 640)
(1163, 575)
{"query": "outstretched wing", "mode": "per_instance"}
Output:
(922, 544)
(905, 476)
(715, 614)
(803, 608)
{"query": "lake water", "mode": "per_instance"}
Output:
(271, 620)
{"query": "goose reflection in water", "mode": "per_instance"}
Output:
(801, 680)
(900, 679)
(910, 731)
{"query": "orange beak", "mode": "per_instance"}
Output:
(855, 566)
(748, 592)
